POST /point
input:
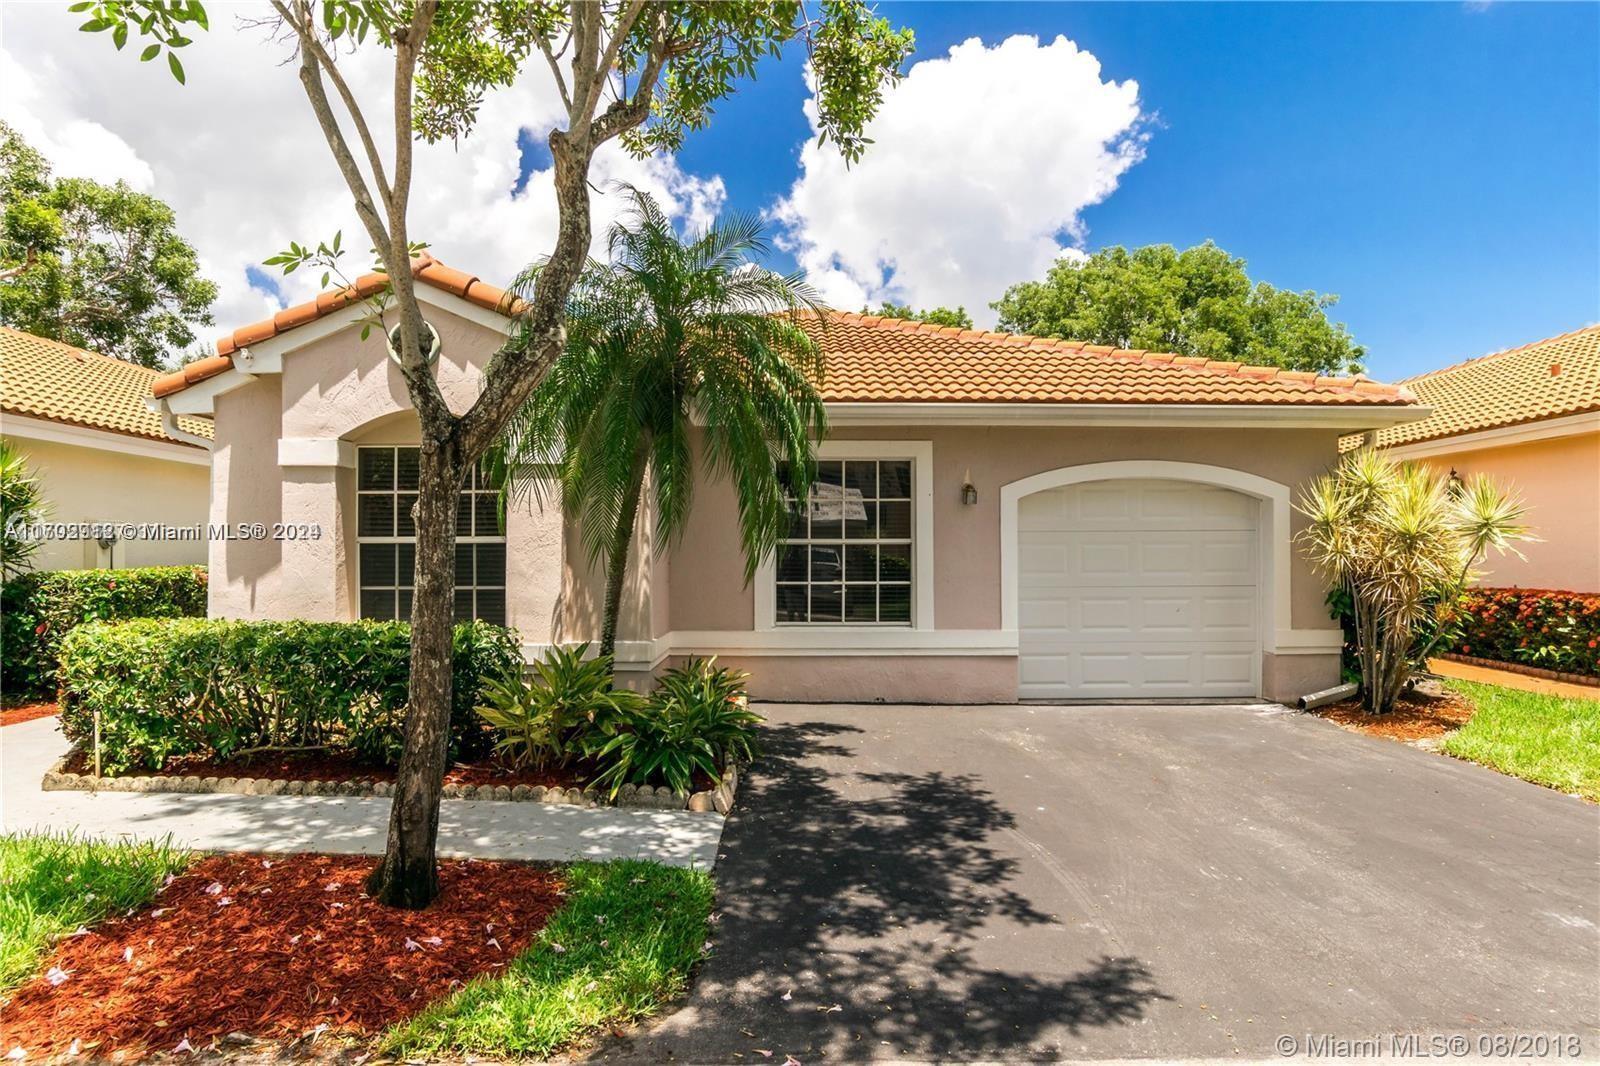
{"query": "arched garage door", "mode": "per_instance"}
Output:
(1138, 588)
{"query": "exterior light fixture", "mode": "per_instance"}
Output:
(1455, 486)
(969, 493)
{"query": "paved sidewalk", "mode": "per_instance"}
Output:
(1485, 675)
(339, 824)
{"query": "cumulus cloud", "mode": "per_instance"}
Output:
(982, 163)
(238, 155)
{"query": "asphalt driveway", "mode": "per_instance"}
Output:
(1188, 881)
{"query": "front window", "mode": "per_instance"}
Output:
(848, 556)
(386, 489)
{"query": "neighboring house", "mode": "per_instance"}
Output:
(1530, 418)
(102, 456)
(1002, 516)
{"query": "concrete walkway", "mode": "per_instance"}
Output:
(339, 824)
(1484, 675)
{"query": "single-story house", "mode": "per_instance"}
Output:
(1002, 516)
(1530, 418)
(103, 458)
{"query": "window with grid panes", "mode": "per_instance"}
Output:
(386, 489)
(847, 558)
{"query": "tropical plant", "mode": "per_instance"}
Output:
(695, 723)
(552, 716)
(20, 505)
(1403, 540)
(674, 331)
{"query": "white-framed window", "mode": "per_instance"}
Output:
(386, 489)
(859, 551)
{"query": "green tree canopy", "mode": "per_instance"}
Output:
(1198, 301)
(98, 266)
(939, 316)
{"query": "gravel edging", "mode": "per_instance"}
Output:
(718, 800)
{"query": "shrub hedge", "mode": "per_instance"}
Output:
(212, 687)
(1537, 627)
(38, 610)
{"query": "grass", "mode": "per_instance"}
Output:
(1550, 740)
(51, 884)
(624, 942)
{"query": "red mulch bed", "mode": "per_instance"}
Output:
(1415, 716)
(25, 712)
(323, 766)
(274, 946)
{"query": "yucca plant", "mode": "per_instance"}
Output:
(20, 504)
(1403, 541)
(566, 708)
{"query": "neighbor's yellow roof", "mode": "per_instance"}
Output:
(1545, 379)
(57, 382)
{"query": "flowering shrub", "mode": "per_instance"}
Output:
(1536, 627)
(38, 610)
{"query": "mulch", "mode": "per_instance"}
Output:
(1415, 716)
(273, 947)
(25, 712)
(323, 766)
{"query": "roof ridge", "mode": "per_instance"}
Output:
(1495, 355)
(1231, 368)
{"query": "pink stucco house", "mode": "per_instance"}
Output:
(1529, 417)
(1003, 517)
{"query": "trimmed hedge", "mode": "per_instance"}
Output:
(215, 688)
(38, 610)
(1537, 627)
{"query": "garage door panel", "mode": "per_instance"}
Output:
(1138, 589)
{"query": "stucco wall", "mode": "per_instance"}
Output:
(94, 485)
(1559, 480)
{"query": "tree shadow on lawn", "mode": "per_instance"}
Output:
(866, 911)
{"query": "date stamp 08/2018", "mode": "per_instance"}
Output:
(1392, 1046)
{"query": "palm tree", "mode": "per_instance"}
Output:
(674, 331)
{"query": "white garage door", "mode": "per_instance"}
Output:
(1139, 588)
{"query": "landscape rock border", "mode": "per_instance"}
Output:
(718, 800)
(1521, 668)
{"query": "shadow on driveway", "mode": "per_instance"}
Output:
(851, 905)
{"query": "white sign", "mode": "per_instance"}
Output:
(830, 503)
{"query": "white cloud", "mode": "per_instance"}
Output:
(238, 156)
(981, 165)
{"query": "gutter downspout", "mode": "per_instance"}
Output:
(169, 426)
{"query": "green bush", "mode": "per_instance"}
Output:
(697, 721)
(38, 610)
(551, 716)
(1537, 627)
(211, 687)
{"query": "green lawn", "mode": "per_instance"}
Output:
(51, 885)
(1546, 739)
(624, 942)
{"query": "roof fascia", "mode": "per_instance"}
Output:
(1346, 418)
(1501, 436)
(108, 440)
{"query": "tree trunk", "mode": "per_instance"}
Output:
(408, 875)
(617, 560)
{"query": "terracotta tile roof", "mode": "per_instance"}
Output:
(1546, 379)
(888, 360)
(872, 359)
(50, 380)
(424, 268)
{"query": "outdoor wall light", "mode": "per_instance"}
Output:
(969, 493)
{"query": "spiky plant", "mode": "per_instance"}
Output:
(672, 332)
(1403, 541)
(20, 504)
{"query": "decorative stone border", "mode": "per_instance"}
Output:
(719, 799)
(1520, 668)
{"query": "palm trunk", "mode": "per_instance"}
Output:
(617, 559)
(408, 875)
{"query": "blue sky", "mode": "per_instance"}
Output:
(1436, 165)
